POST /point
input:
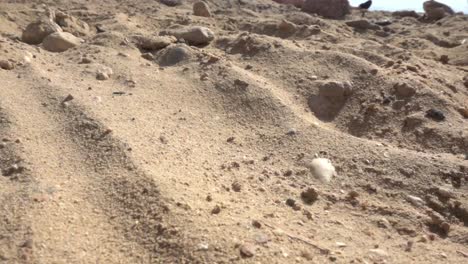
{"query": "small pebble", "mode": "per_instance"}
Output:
(203, 246)
(383, 223)
(67, 99)
(102, 76)
(247, 250)
(309, 196)
(291, 132)
(307, 255)
(256, 224)
(290, 202)
(27, 244)
(148, 56)
(352, 195)
(86, 60)
(435, 114)
(340, 244)
(409, 246)
(463, 111)
(415, 200)
(444, 59)
(262, 238)
(379, 252)
(236, 186)
(412, 68)
(445, 227)
(216, 210)
(6, 65)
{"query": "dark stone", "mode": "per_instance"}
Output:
(171, 2)
(216, 210)
(290, 202)
(444, 59)
(435, 114)
(256, 224)
(236, 186)
(309, 196)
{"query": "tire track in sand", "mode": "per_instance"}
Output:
(97, 206)
(15, 230)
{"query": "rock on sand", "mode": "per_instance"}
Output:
(151, 43)
(6, 65)
(201, 9)
(37, 31)
(435, 10)
(60, 41)
(171, 2)
(72, 24)
(174, 54)
(335, 88)
(322, 169)
(335, 9)
(362, 24)
(192, 35)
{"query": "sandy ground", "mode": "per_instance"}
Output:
(194, 163)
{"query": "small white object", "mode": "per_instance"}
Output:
(278, 232)
(340, 244)
(378, 252)
(27, 57)
(322, 169)
(415, 200)
(203, 246)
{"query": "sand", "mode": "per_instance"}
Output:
(199, 154)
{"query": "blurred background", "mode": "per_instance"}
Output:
(392, 5)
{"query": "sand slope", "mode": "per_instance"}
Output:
(194, 162)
